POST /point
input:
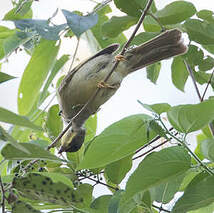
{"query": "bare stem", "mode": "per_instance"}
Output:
(75, 53)
(160, 208)
(208, 83)
(102, 4)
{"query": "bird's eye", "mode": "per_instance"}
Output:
(101, 67)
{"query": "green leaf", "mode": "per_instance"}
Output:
(118, 141)
(175, 12)
(43, 57)
(153, 72)
(20, 207)
(156, 168)
(207, 148)
(117, 170)
(207, 64)
(57, 67)
(179, 73)
(91, 127)
(185, 118)
(13, 15)
(143, 37)
(80, 24)
(209, 48)
(206, 15)
(132, 8)
(12, 118)
(100, 204)
(200, 31)
(95, 36)
(36, 152)
(206, 209)
(53, 124)
(114, 202)
(197, 195)
(5, 77)
(165, 192)
(116, 25)
(151, 25)
(4, 136)
(156, 108)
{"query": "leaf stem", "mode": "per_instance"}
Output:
(157, 20)
(208, 83)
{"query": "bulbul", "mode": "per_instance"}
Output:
(81, 83)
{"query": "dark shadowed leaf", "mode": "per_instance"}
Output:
(100, 204)
(185, 118)
(20, 206)
(5, 77)
(79, 24)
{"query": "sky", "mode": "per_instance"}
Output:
(134, 87)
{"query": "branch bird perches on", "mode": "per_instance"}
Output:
(80, 84)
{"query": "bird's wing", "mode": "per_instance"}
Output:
(108, 50)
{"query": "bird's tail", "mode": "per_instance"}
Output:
(166, 45)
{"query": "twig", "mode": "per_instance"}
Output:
(193, 79)
(2, 195)
(75, 53)
(197, 90)
(107, 77)
(208, 83)
(157, 20)
(160, 208)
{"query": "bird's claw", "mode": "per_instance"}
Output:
(103, 84)
(120, 58)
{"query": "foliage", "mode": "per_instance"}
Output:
(31, 175)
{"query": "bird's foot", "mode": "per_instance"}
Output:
(103, 84)
(120, 58)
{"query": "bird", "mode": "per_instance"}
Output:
(80, 84)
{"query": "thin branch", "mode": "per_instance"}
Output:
(75, 53)
(2, 196)
(193, 79)
(160, 208)
(208, 83)
(157, 20)
(107, 77)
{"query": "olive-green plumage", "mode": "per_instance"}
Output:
(81, 83)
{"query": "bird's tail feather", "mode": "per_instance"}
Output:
(166, 45)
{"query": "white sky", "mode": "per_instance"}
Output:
(134, 87)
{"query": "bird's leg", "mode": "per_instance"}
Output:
(120, 58)
(103, 84)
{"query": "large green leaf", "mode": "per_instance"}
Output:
(206, 15)
(200, 31)
(191, 117)
(36, 152)
(100, 204)
(199, 193)
(179, 73)
(118, 141)
(156, 168)
(12, 118)
(175, 12)
(153, 72)
(41, 62)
